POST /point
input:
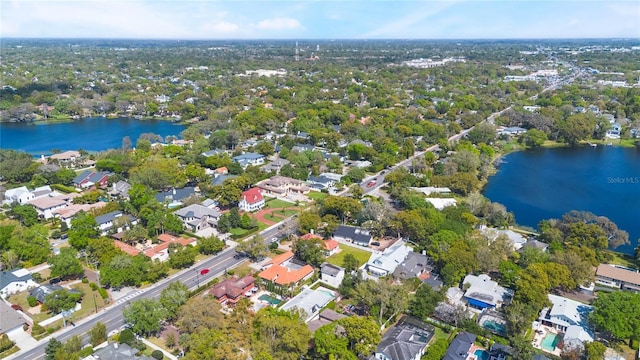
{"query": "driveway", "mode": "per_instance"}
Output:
(22, 339)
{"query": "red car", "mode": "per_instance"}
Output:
(371, 183)
(16, 307)
(204, 271)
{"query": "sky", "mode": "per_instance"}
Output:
(320, 19)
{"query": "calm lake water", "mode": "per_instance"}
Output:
(91, 134)
(547, 183)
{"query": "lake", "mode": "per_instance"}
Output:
(91, 134)
(547, 183)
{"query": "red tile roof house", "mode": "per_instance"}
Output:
(231, 290)
(284, 272)
(330, 246)
(252, 200)
(161, 251)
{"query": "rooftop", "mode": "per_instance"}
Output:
(617, 273)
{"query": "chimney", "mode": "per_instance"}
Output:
(174, 191)
(311, 231)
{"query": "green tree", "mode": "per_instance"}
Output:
(280, 334)
(210, 245)
(26, 214)
(98, 334)
(310, 251)
(595, 350)
(617, 313)
(533, 138)
(437, 350)
(16, 167)
(146, 315)
(350, 263)
(355, 174)
(52, 347)
(424, 302)
(181, 257)
(307, 221)
(173, 297)
(254, 247)
(60, 300)
(66, 264)
(83, 228)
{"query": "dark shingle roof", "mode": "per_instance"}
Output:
(358, 235)
(459, 347)
(405, 340)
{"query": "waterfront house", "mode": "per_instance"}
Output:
(618, 277)
(252, 200)
(67, 158)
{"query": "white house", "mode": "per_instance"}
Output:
(570, 317)
(20, 195)
(249, 158)
(47, 206)
(107, 222)
(386, 263)
(252, 200)
(483, 293)
(15, 281)
(331, 274)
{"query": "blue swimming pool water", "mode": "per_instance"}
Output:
(550, 341)
(495, 326)
(481, 354)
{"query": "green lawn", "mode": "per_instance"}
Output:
(316, 195)
(439, 334)
(277, 204)
(361, 255)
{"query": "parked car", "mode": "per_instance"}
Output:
(375, 243)
(54, 281)
(16, 307)
(371, 183)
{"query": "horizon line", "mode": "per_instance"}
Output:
(321, 39)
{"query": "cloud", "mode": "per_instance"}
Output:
(403, 26)
(280, 23)
(220, 28)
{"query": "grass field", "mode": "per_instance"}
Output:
(316, 195)
(361, 255)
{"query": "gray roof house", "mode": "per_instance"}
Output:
(107, 221)
(218, 180)
(405, 341)
(275, 165)
(320, 182)
(115, 351)
(41, 292)
(11, 319)
(485, 293)
(120, 189)
(175, 196)
(413, 266)
(460, 346)
(15, 281)
(249, 158)
(354, 234)
(197, 217)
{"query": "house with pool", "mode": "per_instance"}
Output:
(483, 293)
(563, 325)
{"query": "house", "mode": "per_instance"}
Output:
(461, 346)
(174, 197)
(498, 351)
(117, 219)
(284, 271)
(326, 316)
(309, 302)
(282, 186)
(329, 246)
(570, 317)
(441, 203)
(66, 158)
(68, 213)
(428, 190)
(210, 204)
(128, 249)
(120, 189)
(48, 206)
(517, 240)
(90, 178)
(321, 182)
(413, 265)
(117, 351)
(405, 341)
(249, 158)
(231, 290)
(537, 244)
(485, 293)
(252, 200)
(353, 234)
(387, 262)
(15, 281)
(41, 292)
(20, 195)
(11, 319)
(302, 148)
(160, 252)
(219, 178)
(615, 131)
(331, 274)
(510, 131)
(618, 277)
(197, 217)
(275, 165)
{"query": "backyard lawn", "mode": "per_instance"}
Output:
(316, 195)
(338, 259)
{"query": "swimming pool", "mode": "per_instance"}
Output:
(494, 326)
(550, 342)
(481, 354)
(270, 299)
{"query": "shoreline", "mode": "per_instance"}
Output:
(65, 119)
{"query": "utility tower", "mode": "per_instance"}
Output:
(297, 52)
